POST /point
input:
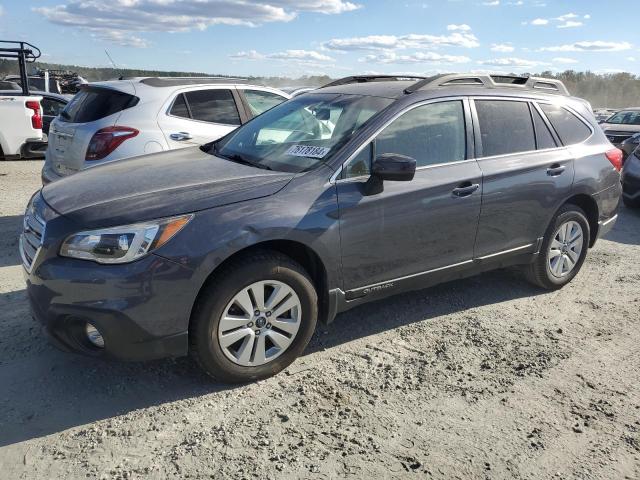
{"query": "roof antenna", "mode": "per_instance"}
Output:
(114, 64)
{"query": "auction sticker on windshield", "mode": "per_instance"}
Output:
(308, 151)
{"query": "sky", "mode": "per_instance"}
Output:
(332, 37)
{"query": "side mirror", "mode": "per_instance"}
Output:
(395, 167)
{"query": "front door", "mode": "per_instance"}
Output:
(427, 224)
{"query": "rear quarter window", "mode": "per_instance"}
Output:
(569, 128)
(94, 103)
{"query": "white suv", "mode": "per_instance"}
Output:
(119, 119)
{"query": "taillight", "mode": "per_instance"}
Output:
(36, 117)
(615, 157)
(106, 140)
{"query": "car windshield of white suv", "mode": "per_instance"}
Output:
(631, 117)
(300, 134)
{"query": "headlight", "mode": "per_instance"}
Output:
(122, 244)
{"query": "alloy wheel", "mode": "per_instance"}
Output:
(565, 249)
(259, 323)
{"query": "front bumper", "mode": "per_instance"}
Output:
(631, 186)
(141, 309)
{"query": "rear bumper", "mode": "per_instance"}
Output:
(34, 149)
(48, 174)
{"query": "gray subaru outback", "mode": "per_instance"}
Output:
(365, 188)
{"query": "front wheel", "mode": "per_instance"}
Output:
(563, 250)
(254, 319)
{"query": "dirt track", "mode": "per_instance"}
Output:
(482, 378)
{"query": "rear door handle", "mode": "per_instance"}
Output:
(180, 136)
(555, 170)
(465, 189)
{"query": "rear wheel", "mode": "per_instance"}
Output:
(254, 319)
(563, 250)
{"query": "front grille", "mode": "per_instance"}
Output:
(31, 238)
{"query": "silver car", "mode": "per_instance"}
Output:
(119, 119)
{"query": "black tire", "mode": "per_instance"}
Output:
(539, 272)
(631, 203)
(203, 340)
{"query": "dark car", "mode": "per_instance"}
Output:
(629, 145)
(234, 250)
(631, 180)
(621, 126)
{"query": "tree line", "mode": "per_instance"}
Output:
(612, 90)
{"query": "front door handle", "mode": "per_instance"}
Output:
(466, 189)
(555, 170)
(180, 136)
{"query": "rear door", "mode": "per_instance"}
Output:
(424, 225)
(91, 109)
(526, 174)
(195, 117)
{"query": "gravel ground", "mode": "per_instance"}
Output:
(481, 378)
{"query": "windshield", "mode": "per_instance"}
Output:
(629, 117)
(301, 133)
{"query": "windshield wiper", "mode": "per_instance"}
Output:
(240, 159)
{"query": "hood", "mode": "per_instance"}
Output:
(619, 127)
(158, 185)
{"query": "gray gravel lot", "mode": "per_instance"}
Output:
(480, 378)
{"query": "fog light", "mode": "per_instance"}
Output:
(94, 336)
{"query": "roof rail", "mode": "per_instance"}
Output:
(370, 78)
(548, 85)
(177, 81)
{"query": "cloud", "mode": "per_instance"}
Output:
(539, 21)
(595, 46)
(417, 57)
(123, 39)
(568, 20)
(393, 42)
(293, 55)
(460, 28)
(502, 47)
(513, 62)
(564, 60)
(493, 3)
(181, 15)
(1, 10)
(571, 24)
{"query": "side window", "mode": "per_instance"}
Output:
(360, 165)
(179, 108)
(505, 127)
(215, 106)
(569, 128)
(544, 138)
(260, 101)
(432, 134)
(51, 107)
